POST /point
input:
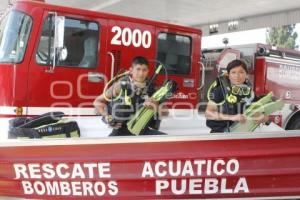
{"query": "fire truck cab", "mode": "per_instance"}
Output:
(54, 57)
(270, 69)
(58, 58)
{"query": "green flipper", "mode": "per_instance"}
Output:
(142, 117)
(266, 99)
(265, 105)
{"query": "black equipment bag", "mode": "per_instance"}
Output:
(43, 126)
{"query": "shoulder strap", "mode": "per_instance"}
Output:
(224, 82)
(149, 89)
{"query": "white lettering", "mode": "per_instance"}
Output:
(161, 185)
(200, 186)
(174, 186)
(177, 166)
(27, 187)
(87, 188)
(146, 39)
(65, 188)
(48, 171)
(289, 72)
(20, 169)
(208, 168)
(113, 188)
(34, 171)
(241, 186)
(91, 167)
(211, 186)
(115, 40)
(59, 172)
(77, 171)
(39, 188)
(126, 37)
(188, 169)
(76, 188)
(161, 173)
(136, 38)
(232, 166)
(215, 167)
(195, 186)
(99, 188)
(224, 190)
(104, 170)
(62, 170)
(199, 164)
(52, 189)
(147, 170)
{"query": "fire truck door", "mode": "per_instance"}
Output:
(76, 80)
(178, 52)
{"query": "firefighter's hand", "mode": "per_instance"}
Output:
(259, 118)
(115, 125)
(110, 122)
(151, 103)
(240, 118)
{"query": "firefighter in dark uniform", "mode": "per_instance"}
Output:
(228, 98)
(119, 102)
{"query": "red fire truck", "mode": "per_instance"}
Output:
(270, 69)
(52, 56)
(61, 61)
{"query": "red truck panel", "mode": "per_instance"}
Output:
(147, 168)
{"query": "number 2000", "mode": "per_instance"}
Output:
(127, 37)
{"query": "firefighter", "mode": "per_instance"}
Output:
(122, 99)
(228, 97)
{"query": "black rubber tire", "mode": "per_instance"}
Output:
(295, 124)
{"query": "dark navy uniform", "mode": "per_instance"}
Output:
(137, 96)
(218, 96)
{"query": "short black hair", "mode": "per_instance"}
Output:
(236, 63)
(140, 60)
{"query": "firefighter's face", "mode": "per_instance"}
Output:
(139, 72)
(237, 75)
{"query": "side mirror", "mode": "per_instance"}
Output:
(59, 32)
(59, 51)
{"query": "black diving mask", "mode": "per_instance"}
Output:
(241, 90)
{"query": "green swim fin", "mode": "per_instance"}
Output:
(265, 105)
(142, 117)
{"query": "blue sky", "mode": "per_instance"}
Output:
(245, 37)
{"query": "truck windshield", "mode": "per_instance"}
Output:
(14, 33)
